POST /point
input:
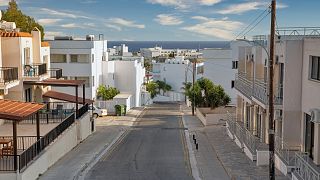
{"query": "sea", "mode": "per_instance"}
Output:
(134, 46)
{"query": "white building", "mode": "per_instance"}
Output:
(159, 52)
(121, 50)
(81, 60)
(220, 68)
(127, 75)
(176, 71)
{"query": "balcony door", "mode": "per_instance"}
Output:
(27, 94)
(309, 136)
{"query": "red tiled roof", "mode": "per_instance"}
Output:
(65, 97)
(18, 111)
(15, 34)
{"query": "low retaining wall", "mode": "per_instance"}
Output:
(210, 116)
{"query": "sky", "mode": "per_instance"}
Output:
(166, 20)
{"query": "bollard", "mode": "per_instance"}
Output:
(193, 137)
(197, 146)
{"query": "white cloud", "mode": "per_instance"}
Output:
(65, 14)
(168, 19)
(4, 2)
(218, 28)
(209, 2)
(48, 22)
(112, 26)
(248, 6)
(88, 2)
(126, 23)
(184, 4)
(70, 25)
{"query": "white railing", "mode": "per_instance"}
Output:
(285, 153)
(260, 91)
(305, 168)
(231, 122)
(244, 84)
(250, 140)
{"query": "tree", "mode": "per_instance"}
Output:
(107, 93)
(24, 22)
(163, 86)
(206, 94)
(152, 88)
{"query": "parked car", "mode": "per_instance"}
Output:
(97, 111)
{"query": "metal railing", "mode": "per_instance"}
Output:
(8, 74)
(82, 111)
(7, 163)
(231, 123)
(55, 73)
(35, 70)
(244, 84)
(305, 168)
(285, 153)
(239, 132)
(260, 92)
(23, 142)
(251, 141)
(34, 150)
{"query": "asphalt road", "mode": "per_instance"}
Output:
(153, 149)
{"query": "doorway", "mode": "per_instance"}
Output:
(309, 136)
(28, 96)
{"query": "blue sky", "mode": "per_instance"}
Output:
(164, 19)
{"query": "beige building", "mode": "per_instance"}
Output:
(24, 58)
(297, 89)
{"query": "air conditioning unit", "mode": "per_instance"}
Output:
(315, 115)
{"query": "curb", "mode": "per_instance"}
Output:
(192, 157)
(80, 175)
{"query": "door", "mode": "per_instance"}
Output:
(309, 136)
(27, 94)
(258, 117)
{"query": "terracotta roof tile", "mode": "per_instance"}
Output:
(15, 34)
(45, 44)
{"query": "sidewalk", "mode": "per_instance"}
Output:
(219, 154)
(109, 129)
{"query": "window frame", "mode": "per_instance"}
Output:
(312, 61)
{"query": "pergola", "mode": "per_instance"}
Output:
(16, 112)
(64, 83)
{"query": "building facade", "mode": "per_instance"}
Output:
(79, 60)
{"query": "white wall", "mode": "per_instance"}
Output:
(218, 68)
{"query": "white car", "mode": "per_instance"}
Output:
(97, 112)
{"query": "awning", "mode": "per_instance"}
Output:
(18, 111)
(65, 97)
(56, 82)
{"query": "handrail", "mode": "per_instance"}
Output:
(35, 70)
(8, 74)
(244, 84)
(305, 168)
(283, 150)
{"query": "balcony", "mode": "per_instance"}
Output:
(305, 169)
(55, 73)
(8, 77)
(35, 71)
(261, 93)
(244, 84)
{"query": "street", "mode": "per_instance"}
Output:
(154, 148)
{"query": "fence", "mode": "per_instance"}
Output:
(23, 142)
(7, 163)
(305, 168)
(231, 122)
(244, 84)
(55, 73)
(33, 151)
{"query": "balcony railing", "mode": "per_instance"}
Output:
(244, 84)
(82, 111)
(23, 142)
(261, 92)
(33, 151)
(231, 123)
(286, 153)
(55, 73)
(305, 168)
(35, 70)
(8, 74)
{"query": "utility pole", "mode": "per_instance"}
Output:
(193, 82)
(271, 105)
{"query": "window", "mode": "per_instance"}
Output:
(92, 81)
(86, 78)
(200, 69)
(315, 68)
(45, 59)
(92, 58)
(232, 84)
(58, 58)
(26, 56)
(79, 58)
(234, 64)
